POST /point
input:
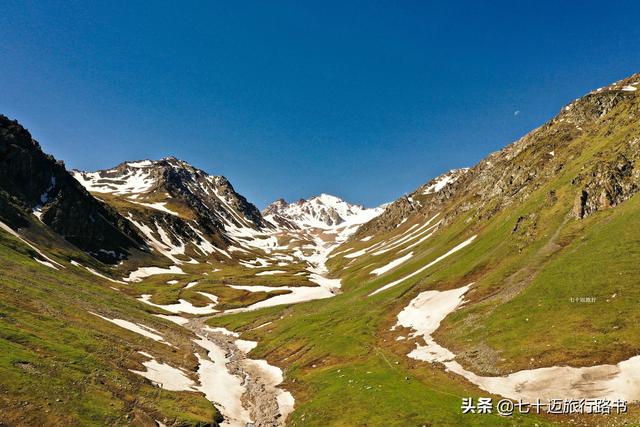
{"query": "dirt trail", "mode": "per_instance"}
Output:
(260, 397)
(518, 281)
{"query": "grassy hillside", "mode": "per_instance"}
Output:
(61, 365)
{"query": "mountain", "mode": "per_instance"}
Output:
(35, 185)
(182, 211)
(608, 175)
(396, 213)
(514, 278)
(211, 198)
(323, 211)
(548, 220)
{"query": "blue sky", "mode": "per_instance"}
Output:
(364, 100)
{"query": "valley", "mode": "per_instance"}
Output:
(153, 293)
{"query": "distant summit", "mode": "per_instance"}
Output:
(323, 211)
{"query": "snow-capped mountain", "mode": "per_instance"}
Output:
(186, 214)
(323, 211)
(154, 183)
(182, 211)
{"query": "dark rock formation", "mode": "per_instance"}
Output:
(32, 180)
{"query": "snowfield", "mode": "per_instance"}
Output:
(133, 182)
(393, 264)
(178, 320)
(270, 376)
(220, 386)
(296, 294)
(325, 212)
(269, 273)
(165, 376)
(314, 254)
(142, 272)
(424, 314)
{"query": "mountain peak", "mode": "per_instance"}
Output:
(321, 211)
(170, 182)
(328, 199)
(138, 176)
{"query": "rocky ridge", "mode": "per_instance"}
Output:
(514, 172)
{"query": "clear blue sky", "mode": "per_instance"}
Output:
(364, 100)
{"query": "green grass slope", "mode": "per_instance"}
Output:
(61, 365)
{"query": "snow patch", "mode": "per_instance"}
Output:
(137, 328)
(96, 273)
(221, 386)
(9, 230)
(166, 376)
(444, 180)
(424, 314)
(182, 306)
(142, 272)
(178, 320)
(45, 263)
(269, 273)
(393, 264)
(296, 294)
(159, 206)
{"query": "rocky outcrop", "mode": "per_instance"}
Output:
(608, 184)
(178, 207)
(207, 195)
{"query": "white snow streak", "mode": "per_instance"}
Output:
(393, 264)
(415, 273)
(182, 306)
(142, 272)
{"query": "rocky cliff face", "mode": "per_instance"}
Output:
(607, 184)
(32, 182)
